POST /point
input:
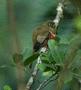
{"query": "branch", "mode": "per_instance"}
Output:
(45, 82)
(15, 44)
(59, 14)
(35, 71)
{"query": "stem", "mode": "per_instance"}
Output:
(15, 44)
(45, 82)
(35, 71)
(59, 14)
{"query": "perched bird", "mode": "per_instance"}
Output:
(42, 34)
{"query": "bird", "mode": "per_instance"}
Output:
(42, 34)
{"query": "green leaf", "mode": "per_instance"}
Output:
(48, 69)
(7, 87)
(56, 52)
(77, 24)
(57, 38)
(57, 56)
(44, 56)
(45, 62)
(62, 48)
(41, 67)
(52, 44)
(48, 73)
(30, 59)
(47, 58)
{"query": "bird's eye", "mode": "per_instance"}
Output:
(51, 24)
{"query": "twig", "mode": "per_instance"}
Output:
(59, 14)
(35, 71)
(15, 44)
(45, 82)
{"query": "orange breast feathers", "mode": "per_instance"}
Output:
(52, 35)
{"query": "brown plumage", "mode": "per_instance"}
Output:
(42, 34)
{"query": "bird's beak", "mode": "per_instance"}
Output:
(52, 35)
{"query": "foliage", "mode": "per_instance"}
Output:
(28, 15)
(64, 61)
(7, 87)
(30, 59)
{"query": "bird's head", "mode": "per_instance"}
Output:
(52, 30)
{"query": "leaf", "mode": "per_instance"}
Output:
(7, 87)
(48, 69)
(41, 67)
(57, 51)
(48, 73)
(45, 62)
(52, 44)
(44, 56)
(47, 58)
(57, 55)
(30, 59)
(77, 24)
(57, 38)
(62, 51)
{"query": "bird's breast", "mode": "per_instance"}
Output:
(41, 38)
